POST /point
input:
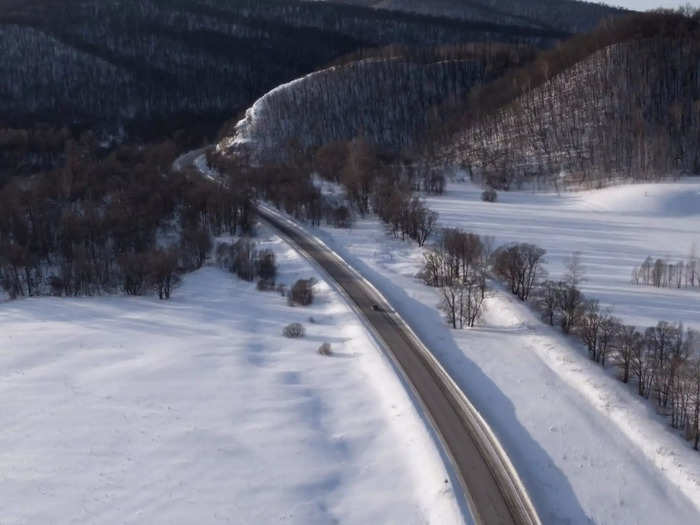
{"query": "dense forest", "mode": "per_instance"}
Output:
(142, 69)
(571, 15)
(617, 104)
(121, 223)
(350, 100)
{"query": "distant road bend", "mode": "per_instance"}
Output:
(491, 485)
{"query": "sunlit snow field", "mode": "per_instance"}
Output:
(198, 410)
(615, 229)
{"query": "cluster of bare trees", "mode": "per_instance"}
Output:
(382, 183)
(247, 262)
(156, 269)
(457, 264)
(663, 361)
(520, 265)
(406, 215)
(661, 273)
(117, 223)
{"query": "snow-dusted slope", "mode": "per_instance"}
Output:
(626, 111)
(197, 410)
(386, 101)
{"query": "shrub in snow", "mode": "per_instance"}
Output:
(266, 266)
(325, 349)
(489, 195)
(294, 330)
(302, 292)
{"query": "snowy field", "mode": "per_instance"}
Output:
(587, 448)
(197, 410)
(615, 229)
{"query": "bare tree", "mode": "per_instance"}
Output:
(628, 343)
(548, 300)
(575, 271)
(521, 266)
(163, 272)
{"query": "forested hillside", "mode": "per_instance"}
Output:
(388, 98)
(571, 15)
(144, 68)
(620, 103)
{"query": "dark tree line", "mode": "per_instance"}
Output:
(572, 16)
(130, 69)
(380, 183)
(120, 223)
(372, 181)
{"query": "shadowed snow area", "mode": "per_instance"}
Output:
(615, 229)
(197, 410)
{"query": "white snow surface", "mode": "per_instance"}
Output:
(615, 229)
(197, 410)
(587, 448)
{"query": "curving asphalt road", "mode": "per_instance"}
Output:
(491, 485)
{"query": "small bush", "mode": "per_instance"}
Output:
(282, 289)
(294, 330)
(225, 256)
(325, 349)
(265, 285)
(489, 195)
(266, 265)
(245, 258)
(302, 292)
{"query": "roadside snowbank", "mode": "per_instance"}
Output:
(197, 410)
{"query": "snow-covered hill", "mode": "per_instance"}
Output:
(384, 100)
(626, 111)
(197, 410)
